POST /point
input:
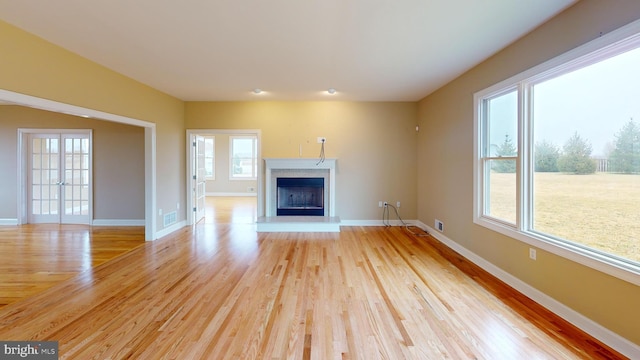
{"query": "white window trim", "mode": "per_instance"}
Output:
(594, 51)
(231, 177)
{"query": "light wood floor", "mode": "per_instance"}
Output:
(223, 291)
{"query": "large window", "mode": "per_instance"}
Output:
(558, 155)
(243, 157)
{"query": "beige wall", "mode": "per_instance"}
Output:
(445, 175)
(32, 66)
(375, 144)
(118, 161)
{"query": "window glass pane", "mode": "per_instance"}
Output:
(209, 156)
(243, 157)
(53, 146)
(502, 123)
(587, 156)
(501, 191)
(208, 165)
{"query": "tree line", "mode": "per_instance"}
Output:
(575, 156)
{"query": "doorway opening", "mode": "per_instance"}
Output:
(223, 164)
(149, 151)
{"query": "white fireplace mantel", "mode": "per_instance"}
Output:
(299, 164)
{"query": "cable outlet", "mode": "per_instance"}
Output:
(532, 254)
(321, 139)
(439, 225)
(385, 204)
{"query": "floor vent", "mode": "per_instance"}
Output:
(170, 218)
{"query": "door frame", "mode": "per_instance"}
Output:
(24, 136)
(149, 149)
(191, 133)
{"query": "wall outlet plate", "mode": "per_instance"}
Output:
(322, 139)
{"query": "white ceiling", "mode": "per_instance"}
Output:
(219, 50)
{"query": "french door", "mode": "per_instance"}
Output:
(59, 178)
(199, 180)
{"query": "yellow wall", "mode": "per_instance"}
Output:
(445, 158)
(375, 144)
(32, 66)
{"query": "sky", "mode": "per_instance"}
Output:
(596, 102)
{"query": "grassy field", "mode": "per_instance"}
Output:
(600, 210)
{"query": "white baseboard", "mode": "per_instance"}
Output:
(375, 222)
(168, 230)
(589, 326)
(118, 222)
(231, 194)
(7, 222)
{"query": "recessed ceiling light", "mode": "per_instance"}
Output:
(257, 91)
(331, 91)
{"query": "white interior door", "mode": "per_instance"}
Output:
(199, 178)
(59, 188)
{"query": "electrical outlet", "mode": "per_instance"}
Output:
(397, 204)
(251, 189)
(160, 212)
(532, 254)
(322, 139)
(439, 225)
(178, 206)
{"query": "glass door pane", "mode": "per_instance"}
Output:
(76, 180)
(44, 190)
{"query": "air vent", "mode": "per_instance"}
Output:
(170, 218)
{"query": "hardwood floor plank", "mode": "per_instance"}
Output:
(223, 291)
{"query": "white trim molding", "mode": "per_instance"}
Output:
(168, 230)
(9, 222)
(118, 222)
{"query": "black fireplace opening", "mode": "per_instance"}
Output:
(300, 196)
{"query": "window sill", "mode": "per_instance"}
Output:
(611, 266)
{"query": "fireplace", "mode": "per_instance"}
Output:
(300, 196)
(309, 205)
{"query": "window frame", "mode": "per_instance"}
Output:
(254, 157)
(602, 48)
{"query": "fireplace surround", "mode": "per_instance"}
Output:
(299, 168)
